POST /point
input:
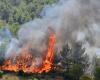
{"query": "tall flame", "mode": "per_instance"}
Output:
(48, 62)
(26, 63)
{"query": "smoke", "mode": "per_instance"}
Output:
(5, 37)
(71, 20)
(12, 48)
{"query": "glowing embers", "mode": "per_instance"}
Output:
(26, 63)
(23, 62)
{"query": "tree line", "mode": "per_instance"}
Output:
(13, 13)
(75, 63)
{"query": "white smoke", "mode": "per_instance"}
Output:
(12, 48)
(72, 20)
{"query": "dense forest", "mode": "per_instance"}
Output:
(17, 12)
(14, 13)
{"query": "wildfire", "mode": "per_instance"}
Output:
(26, 63)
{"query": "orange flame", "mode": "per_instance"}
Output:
(26, 63)
(47, 64)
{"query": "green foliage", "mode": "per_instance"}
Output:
(74, 60)
(1, 74)
(14, 28)
(16, 12)
(66, 54)
(10, 77)
(97, 73)
(97, 60)
(80, 57)
(85, 77)
(21, 11)
(2, 50)
(2, 24)
(75, 72)
(35, 79)
(97, 69)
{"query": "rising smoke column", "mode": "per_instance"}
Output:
(72, 20)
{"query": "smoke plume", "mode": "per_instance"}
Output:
(71, 20)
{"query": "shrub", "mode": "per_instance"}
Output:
(85, 77)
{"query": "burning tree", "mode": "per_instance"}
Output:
(26, 63)
(73, 61)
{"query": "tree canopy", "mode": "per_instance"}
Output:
(21, 11)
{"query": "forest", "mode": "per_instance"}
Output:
(16, 12)
(73, 63)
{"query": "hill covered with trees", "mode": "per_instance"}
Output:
(17, 12)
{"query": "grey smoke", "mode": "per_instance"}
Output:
(72, 20)
(12, 48)
(5, 38)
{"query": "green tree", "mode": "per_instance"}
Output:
(2, 51)
(17, 12)
(2, 24)
(80, 57)
(21, 11)
(85, 77)
(14, 28)
(74, 60)
(97, 61)
(66, 55)
(97, 73)
(75, 72)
